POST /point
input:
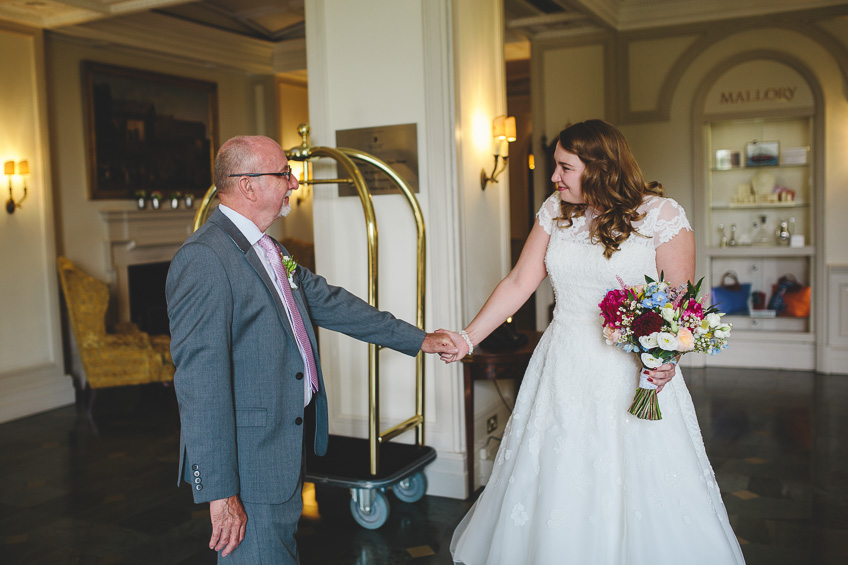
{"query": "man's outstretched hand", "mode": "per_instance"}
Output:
(440, 342)
(228, 523)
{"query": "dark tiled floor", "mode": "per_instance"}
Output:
(78, 491)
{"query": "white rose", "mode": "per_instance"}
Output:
(667, 341)
(650, 361)
(713, 319)
(722, 331)
(668, 313)
(649, 341)
(662, 287)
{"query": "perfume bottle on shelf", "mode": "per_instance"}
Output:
(783, 233)
(762, 237)
(722, 241)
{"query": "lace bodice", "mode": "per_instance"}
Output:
(579, 272)
(664, 218)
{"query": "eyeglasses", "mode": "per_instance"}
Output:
(285, 174)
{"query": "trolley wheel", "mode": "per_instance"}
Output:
(372, 516)
(412, 488)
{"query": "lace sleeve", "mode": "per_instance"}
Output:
(549, 212)
(670, 219)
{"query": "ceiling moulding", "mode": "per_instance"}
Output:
(47, 18)
(604, 11)
(179, 40)
(568, 33)
(289, 56)
(52, 14)
(640, 14)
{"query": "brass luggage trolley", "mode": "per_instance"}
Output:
(347, 464)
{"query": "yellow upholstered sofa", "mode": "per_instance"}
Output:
(124, 357)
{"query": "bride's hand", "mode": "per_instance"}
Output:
(662, 375)
(460, 345)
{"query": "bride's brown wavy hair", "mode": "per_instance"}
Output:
(612, 182)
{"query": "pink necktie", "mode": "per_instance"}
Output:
(272, 252)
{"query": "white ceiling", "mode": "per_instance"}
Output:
(281, 20)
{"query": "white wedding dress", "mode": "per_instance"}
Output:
(577, 479)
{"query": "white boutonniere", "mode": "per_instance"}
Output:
(289, 264)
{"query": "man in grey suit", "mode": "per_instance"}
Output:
(246, 358)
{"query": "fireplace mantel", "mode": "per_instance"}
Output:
(135, 237)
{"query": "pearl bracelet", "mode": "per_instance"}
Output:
(467, 339)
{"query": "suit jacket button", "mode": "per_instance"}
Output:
(299, 376)
(298, 420)
(197, 473)
(198, 487)
(198, 480)
(195, 467)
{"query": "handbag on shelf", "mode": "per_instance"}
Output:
(731, 297)
(790, 298)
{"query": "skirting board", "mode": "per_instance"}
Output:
(32, 390)
(446, 476)
(775, 355)
(835, 361)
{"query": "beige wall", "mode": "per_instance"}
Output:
(293, 110)
(32, 374)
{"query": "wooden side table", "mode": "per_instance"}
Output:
(491, 365)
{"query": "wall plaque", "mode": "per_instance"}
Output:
(397, 145)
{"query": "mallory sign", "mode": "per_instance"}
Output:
(771, 94)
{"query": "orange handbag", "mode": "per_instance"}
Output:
(790, 298)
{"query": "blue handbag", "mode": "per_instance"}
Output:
(731, 297)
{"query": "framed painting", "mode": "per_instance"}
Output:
(761, 153)
(147, 131)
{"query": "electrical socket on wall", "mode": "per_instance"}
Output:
(492, 424)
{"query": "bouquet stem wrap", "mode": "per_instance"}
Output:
(645, 403)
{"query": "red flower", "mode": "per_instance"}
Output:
(610, 304)
(646, 324)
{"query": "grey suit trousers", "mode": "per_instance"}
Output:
(269, 536)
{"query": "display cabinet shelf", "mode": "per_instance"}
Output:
(761, 251)
(759, 205)
(758, 168)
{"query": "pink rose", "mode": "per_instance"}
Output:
(611, 335)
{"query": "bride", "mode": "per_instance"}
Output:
(578, 479)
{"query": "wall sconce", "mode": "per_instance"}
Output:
(503, 133)
(9, 170)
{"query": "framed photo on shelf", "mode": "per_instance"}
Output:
(761, 153)
(727, 159)
(147, 131)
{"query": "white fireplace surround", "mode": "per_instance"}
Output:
(138, 237)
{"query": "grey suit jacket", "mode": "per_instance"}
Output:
(239, 376)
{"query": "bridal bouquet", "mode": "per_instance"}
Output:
(660, 323)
